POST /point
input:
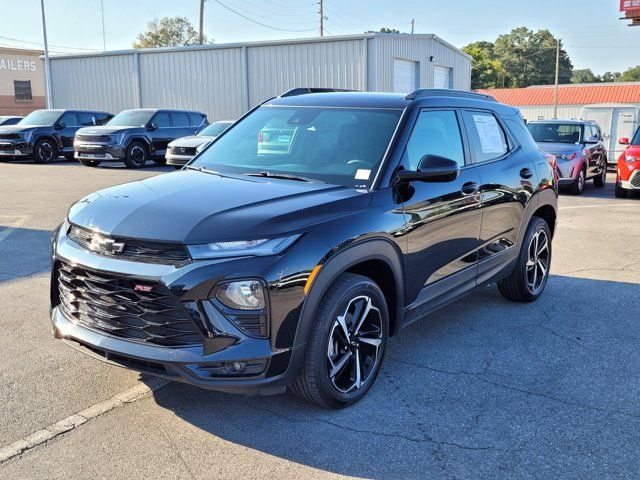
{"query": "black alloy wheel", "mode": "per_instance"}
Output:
(45, 151)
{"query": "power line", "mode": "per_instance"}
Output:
(264, 17)
(285, 14)
(41, 44)
(260, 23)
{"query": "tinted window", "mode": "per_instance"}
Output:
(131, 118)
(161, 119)
(102, 118)
(179, 120)
(87, 119)
(488, 140)
(341, 146)
(555, 132)
(195, 119)
(69, 119)
(436, 132)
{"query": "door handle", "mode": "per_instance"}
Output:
(526, 173)
(470, 188)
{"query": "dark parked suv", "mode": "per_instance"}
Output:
(136, 136)
(261, 269)
(44, 135)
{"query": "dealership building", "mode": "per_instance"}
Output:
(226, 80)
(21, 81)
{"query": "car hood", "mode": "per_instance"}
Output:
(19, 128)
(191, 141)
(560, 148)
(106, 130)
(196, 207)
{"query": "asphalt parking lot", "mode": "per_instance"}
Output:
(483, 389)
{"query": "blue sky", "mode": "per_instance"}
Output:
(590, 29)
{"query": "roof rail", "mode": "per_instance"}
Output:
(441, 92)
(305, 90)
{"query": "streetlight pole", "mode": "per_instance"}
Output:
(555, 92)
(201, 37)
(47, 70)
(321, 12)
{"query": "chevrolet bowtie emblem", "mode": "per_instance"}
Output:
(105, 245)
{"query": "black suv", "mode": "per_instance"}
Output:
(135, 136)
(265, 268)
(44, 135)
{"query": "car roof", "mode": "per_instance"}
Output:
(569, 122)
(176, 110)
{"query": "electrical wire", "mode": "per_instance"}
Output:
(264, 17)
(42, 45)
(260, 23)
(287, 14)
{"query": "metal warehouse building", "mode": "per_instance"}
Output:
(226, 80)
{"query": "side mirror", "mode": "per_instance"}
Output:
(59, 126)
(623, 141)
(152, 126)
(432, 168)
(593, 139)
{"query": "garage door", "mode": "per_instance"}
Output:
(442, 77)
(405, 75)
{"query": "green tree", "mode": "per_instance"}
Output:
(486, 70)
(631, 75)
(584, 76)
(611, 77)
(530, 57)
(384, 30)
(168, 32)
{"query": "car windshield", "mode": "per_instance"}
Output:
(41, 117)
(214, 129)
(131, 118)
(342, 146)
(636, 138)
(556, 132)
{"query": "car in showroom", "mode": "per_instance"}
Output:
(136, 136)
(628, 167)
(9, 119)
(182, 150)
(258, 271)
(44, 135)
(578, 148)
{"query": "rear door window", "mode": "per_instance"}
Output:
(87, 119)
(179, 119)
(69, 119)
(488, 140)
(195, 119)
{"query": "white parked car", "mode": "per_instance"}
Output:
(181, 150)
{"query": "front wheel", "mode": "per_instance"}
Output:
(601, 179)
(346, 344)
(45, 151)
(136, 155)
(578, 185)
(529, 277)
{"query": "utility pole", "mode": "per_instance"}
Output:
(413, 24)
(555, 93)
(321, 12)
(104, 41)
(201, 37)
(47, 71)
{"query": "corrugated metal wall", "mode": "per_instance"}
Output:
(226, 80)
(102, 82)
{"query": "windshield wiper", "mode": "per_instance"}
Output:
(283, 176)
(203, 170)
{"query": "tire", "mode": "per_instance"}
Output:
(518, 286)
(577, 187)
(332, 344)
(136, 155)
(89, 163)
(159, 161)
(619, 191)
(45, 151)
(600, 180)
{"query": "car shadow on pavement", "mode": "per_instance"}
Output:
(485, 388)
(24, 252)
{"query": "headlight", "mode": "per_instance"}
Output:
(201, 147)
(249, 248)
(26, 136)
(631, 158)
(118, 137)
(242, 295)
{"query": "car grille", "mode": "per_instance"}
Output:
(183, 150)
(10, 136)
(137, 311)
(635, 180)
(136, 250)
(94, 138)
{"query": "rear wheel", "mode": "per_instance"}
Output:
(90, 163)
(529, 277)
(45, 151)
(136, 155)
(578, 185)
(346, 344)
(601, 179)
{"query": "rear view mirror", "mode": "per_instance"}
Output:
(59, 126)
(152, 126)
(623, 141)
(432, 168)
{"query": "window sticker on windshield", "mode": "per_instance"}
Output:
(363, 174)
(489, 133)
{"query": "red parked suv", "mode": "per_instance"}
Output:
(628, 178)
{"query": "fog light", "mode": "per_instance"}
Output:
(242, 295)
(235, 367)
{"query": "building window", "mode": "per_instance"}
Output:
(22, 89)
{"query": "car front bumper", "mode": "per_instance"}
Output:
(98, 151)
(18, 148)
(177, 160)
(633, 182)
(277, 357)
